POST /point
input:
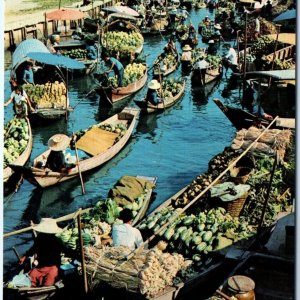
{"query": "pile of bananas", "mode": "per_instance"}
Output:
(122, 41)
(214, 60)
(197, 235)
(132, 73)
(16, 140)
(75, 53)
(278, 64)
(47, 95)
(171, 87)
(182, 28)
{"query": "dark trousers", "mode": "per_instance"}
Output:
(120, 74)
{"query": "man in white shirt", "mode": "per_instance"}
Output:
(231, 58)
(124, 234)
(200, 69)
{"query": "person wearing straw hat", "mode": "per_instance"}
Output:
(187, 53)
(152, 96)
(56, 160)
(217, 32)
(124, 234)
(45, 253)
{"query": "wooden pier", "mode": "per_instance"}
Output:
(36, 26)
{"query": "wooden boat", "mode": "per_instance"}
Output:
(171, 69)
(30, 293)
(212, 73)
(23, 157)
(167, 102)
(45, 178)
(120, 93)
(54, 109)
(242, 119)
(90, 64)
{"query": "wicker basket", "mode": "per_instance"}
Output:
(235, 207)
(240, 174)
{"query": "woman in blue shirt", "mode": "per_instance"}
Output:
(152, 96)
(115, 65)
(28, 74)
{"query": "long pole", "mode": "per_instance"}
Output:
(82, 253)
(79, 171)
(244, 69)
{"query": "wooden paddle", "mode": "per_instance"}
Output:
(78, 166)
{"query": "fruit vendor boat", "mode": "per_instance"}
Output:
(22, 130)
(76, 49)
(99, 144)
(213, 72)
(113, 95)
(167, 66)
(242, 119)
(49, 93)
(167, 102)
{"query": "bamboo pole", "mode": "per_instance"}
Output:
(82, 252)
(67, 217)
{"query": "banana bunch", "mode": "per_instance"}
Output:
(47, 95)
(122, 41)
(182, 28)
(214, 60)
(132, 73)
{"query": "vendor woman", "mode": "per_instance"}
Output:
(152, 96)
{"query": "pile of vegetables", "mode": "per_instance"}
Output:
(278, 64)
(16, 133)
(182, 28)
(47, 95)
(122, 41)
(196, 235)
(263, 45)
(97, 222)
(171, 87)
(132, 72)
(75, 53)
(166, 63)
(214, 60)
(119, 128)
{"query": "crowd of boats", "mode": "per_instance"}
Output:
(222, 222)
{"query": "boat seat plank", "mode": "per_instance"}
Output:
(96, 141)
(286, 122)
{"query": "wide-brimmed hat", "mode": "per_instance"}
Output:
(211, 41)
(218, 26)
(47, 225)
(186, 48)
(154, 84)
(58, 142)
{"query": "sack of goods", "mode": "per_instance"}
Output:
(148, 272)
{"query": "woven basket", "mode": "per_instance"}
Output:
(240, 174)
(235, 207)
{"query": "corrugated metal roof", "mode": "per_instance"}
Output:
(278, 74)
(29, 45)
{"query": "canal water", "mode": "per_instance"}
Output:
(174, 145)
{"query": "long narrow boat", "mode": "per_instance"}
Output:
(167, 102)
(242, 119)
(170, 69)
(212, 73)
(23, 157)
(120, 93)
(92, 143)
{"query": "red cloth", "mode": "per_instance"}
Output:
(44, 276)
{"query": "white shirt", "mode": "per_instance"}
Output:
(19, 98)
(186, 56)
(232, 56)
(126, 235)
(257, 25)
(201, 64)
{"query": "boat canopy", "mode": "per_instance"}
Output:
(286, 38)
(277, 74)
(29, 45)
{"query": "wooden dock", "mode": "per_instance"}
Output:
(36, 26)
